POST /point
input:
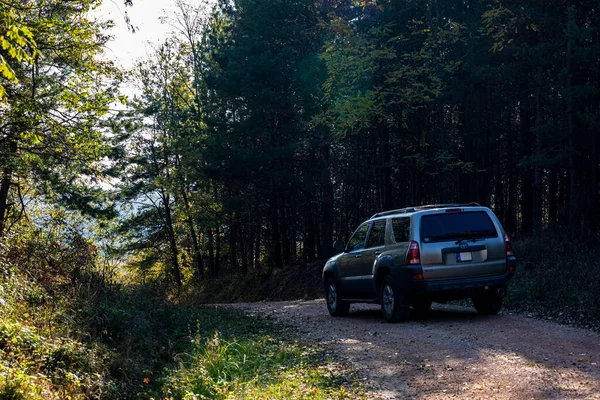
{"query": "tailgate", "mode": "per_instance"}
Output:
(441, 261)
(461, 245)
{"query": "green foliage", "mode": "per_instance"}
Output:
(16, 40)
(352, 62)
(270, 128)
(81, 336)
(263, 129)
(503, 25)
(60, 88)
(256, 366)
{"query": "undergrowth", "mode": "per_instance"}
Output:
(259, 365)
(67, 333)
(299, 281)
(557, 276)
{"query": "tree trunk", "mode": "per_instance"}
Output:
(326, 235)
(217, 251)
(211, 252)
(257, 252)
(172, 241)
(242, 240)
(5, 184)
(552, 199)
(274, 255)
(197, 258)
(386, 169)
(251, 263)
(511, 212)
(4, 189)
(285, 234)
(573, 189)
(539, 146)
(309, 233)
(233, 235)
(527, 172)
(167, 218)
(594, 186)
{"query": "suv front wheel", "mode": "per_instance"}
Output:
(393, 308)
(335, 305)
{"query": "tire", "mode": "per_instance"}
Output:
(420, 306)
(393, 307)
(487, 303)
(335, 305)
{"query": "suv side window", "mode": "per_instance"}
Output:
(377, 235)
(357, 241)
(401, 228)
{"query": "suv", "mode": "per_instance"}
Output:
(405, 259)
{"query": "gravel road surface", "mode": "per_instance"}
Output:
(453, 352)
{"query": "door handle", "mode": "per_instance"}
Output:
(357, 256)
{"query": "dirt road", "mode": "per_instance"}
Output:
(453, 353)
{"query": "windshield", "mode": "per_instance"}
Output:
(457, 226)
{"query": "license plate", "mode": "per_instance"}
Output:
(466, 256)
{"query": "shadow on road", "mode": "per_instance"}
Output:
(438, 313)
(455, 352)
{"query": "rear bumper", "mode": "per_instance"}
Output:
(462, 288)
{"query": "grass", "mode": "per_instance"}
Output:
(86, 338)
(259, 366)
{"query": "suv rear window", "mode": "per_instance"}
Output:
(456, 226)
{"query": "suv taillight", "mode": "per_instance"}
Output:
(509, 250)
(413, 256)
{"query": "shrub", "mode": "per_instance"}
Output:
(557, 275)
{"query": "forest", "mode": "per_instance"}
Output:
(263, 130)
(260, 131)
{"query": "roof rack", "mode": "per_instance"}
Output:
(423, 207)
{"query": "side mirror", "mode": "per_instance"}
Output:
(339, 245)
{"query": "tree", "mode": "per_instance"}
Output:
(49, 136)
(261, 131)
(147, 157)
(293, 121)
(16, 40)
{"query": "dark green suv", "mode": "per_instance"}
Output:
(406, 259)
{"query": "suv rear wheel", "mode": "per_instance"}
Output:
(393, 308)
(487, 302)
(335, 305)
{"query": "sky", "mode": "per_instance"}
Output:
(128, 47)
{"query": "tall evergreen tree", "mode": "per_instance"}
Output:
(55, 96)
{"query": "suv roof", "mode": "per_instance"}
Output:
(422, 208)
